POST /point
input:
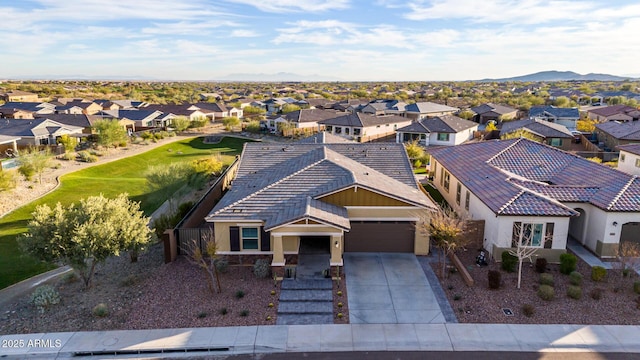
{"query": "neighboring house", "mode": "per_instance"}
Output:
(549, 133)
(324, 137)
(421, 110)
(363, 127)
(384, 107)
(37, 131)
(218, 111)
(274, 105)
(305, 118)
(142, 119)
(348, 197)
(189, 111)
(79, 107)
(77, 120)
(629, 159)
(614, 113)
(25, 110)
(521, 187)
(126, 104)
(579, 96)
(614, 133)
(493, 112)
(19, 96)
(563, 116)
(439, 130)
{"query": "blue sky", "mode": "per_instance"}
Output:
(338, 39)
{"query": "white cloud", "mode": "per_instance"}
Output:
(187, 27)
(244, 33)
(286, 6)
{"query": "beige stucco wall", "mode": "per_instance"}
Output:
(387, 213)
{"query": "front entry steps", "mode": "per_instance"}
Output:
(305, 302)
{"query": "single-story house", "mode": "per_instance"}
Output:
(439, 130)
(324, 137)
(170, 111)
(363, 127)
(521, 187)
(349, 197)
(37, 131)
(421, 110)
(79, 107)
(218, 111)
(563, 116)
(629, 159)
(384, 107)
(615, 133)
(126, 104)
(549, 133)
(493, 112)
(142, 118)
(614, 113)
(79, 120)
(304, 118)
(18, 96)
(25, 110)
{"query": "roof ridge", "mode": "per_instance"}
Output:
(511, 201)
(503, 151)
(272, 184)
(548, 198)
(622, 191)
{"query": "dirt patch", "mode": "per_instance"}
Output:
(149, 294)
(479, 304)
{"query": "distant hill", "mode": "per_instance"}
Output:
(281, 76)
(554, 75)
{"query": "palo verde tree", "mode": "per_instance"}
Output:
(87, 233)
(110, 133)
(34, 161)
(67, 142)
(446, 229)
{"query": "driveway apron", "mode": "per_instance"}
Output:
(389, 288)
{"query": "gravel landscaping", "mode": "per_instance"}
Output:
(149, 294)
(618, 303)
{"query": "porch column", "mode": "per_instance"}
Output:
(337, 246)
(15, 146)
(278, 252)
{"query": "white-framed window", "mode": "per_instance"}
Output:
(557, 142)
(443, 137)
(533, 234)
(447, 180)
(249, 238)
(458, 193)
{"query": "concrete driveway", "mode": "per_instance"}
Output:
(389, 288)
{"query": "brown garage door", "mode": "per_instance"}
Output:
(380, 236)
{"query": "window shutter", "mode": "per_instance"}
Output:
(265, 240)
(234, 238)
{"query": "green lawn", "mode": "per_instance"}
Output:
(435, 194)
(125, 175)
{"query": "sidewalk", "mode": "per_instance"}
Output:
(319, 338)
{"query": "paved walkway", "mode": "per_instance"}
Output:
(387, 288)
(586, 255)
(313, 338)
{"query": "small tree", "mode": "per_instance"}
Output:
(180, 123)
(206, 259)
(67, 142)
(586, 125)
(230, 122)
(414, 150)
(446, 229)
(628, 256)
(85, 234)
(110, 133)
(523, 247)
(34, 161)
(491, 126)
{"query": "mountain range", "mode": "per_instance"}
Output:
(554, 75)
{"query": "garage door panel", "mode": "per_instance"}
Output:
(392, 236)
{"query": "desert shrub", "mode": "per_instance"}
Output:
(96, 153)
(546, 279)
(100, 310)
(494, 279)
(171, 133)
(123, 144)
(574, 292)
(44, 296)
(575, 278)
(568, 263)
(223, 311)
(146, 135)
(528, 310)
(87, 157)
(244, 313)
(202, 315)
(509, 262)
(68, 156)
(596, 294)
(8, 180)
(222, 264)
(546, 292)
(198, 123)
(70, 278)
(129, 281)
(457, 297)
(598, 273)
(541, 265)
(636, 287)
(27, 170)
(253, 126)
(239, 294)
(417, 163)
(262, 268)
